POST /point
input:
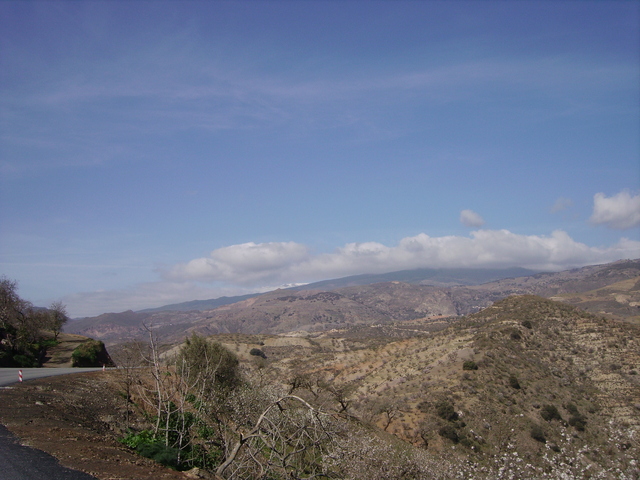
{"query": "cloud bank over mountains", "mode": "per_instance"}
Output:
(254, 264)
(259, 267)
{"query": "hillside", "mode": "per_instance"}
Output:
(528, 388)
(526, 356)
(566, 282)
(289, 310)
(619, 300)
(437, 277)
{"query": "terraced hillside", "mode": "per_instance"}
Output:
(528, 385)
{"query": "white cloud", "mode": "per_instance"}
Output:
(561, 204)
(246, 263)
(277, 263)
(469, 218)
(620, 211)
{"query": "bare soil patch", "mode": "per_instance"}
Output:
(77, 419)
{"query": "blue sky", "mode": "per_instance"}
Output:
(157, 152)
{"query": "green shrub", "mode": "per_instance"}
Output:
(513, 382)
(25, 361)
(160, 453)
(550, 412)
(208, 364)
(469, 365)
(467, 441)
(572, 409)
(87, 354)
(445, 410)
(49, 343)
(132, 440)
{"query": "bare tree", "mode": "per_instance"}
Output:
(240, 428)
(17, 323)
(130, 358)
(342, 395)
(289, 438)
(58, 318)
(390, 409)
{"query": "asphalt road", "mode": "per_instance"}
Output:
(18, 462)
(10, 375)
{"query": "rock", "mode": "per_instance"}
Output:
(197, 473)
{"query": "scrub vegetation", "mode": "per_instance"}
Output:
(514, 391)
(26, 331)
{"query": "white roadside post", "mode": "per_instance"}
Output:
(20, 375)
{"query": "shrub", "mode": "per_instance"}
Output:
(538, 434)
(527, 324)
(445, 410)
(513, 382)
(469, 365)
(256, 352)
(450, 433)
(550, 412)
(87, 353)
(49, 343)
(208, 364)
(25, 361)
(579, 422)
(132, 440)
(159, 453)
(572, 409)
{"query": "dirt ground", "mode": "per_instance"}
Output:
(77, 419)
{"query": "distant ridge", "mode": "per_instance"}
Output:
(611, 289)
(200, 305)
(437, 277)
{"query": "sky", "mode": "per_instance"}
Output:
(159, 152)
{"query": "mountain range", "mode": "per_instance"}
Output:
(612, 289)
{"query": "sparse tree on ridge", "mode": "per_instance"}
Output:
(58, 318)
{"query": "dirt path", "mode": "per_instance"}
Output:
(60, 355)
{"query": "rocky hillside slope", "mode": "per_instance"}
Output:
(526, 386)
